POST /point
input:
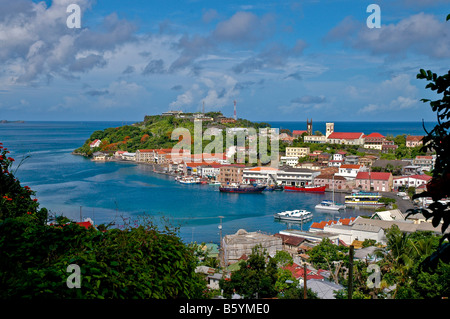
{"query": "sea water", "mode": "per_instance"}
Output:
(120, 193)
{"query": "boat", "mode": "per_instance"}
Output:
(362, 198)
(327, 204)
(274, 188)
(299, 215)
(306, 188)
(242, 188)
(215, 183)
(189, 180)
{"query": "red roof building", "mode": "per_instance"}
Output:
(374, 181)
(348, 138)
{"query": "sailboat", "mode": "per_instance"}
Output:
(327, 204)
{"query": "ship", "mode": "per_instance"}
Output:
(299, 215)
(242, 188)
(306, 188)
(361, 198)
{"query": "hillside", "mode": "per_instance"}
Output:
(155, 132)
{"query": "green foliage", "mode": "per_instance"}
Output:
(254, 279)
(438, 140)
(134, 262)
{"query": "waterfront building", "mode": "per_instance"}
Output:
(129, 156)
(145, 155)
(349, 171)
(260, 175)
(413, 141)
(374, 181)
(242, 242)
(294, 176)
(297, 151)
(330, 180)
(374, 141)
(232, 173)
(99, 156)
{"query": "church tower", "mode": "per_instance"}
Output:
(309, 128)
(330, 129)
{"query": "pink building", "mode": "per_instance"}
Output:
(374, 181)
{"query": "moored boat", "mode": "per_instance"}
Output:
(299, 215)
(242, 189)
(306, 188)
(361, 198)
(189, 180)
(329, 205)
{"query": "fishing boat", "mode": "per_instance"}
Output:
(299, 215)
(306, 188)
(327, 204)
(361, 198)
(242, 188)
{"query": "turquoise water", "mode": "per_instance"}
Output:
(121, 192)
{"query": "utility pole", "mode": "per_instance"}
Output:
(350, 273)
(305, 290)
(81, 218)
(222, 257)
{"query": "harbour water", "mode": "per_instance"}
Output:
(111, 191)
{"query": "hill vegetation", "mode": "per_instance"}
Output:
(155, 132)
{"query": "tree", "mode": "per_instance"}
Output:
(134, 262)
(438, 140)
(254, 279)
(328, 256)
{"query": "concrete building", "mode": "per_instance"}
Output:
(374, 181)
(297, 151)
(413, 141)
(242, 243)
(229, 174)
(296, 176)
(374, 141)
(260, 175)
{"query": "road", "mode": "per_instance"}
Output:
(403, 204)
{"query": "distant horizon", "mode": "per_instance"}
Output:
(278, 60)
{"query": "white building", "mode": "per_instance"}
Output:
(289, 160)
(349, 171)
(260, 175)
(411, 181)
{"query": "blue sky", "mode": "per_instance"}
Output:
(280, 60)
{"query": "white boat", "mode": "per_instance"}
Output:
(330, 205)
(327, 204)
(215, 183)
(299, 215)
(189, 180)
